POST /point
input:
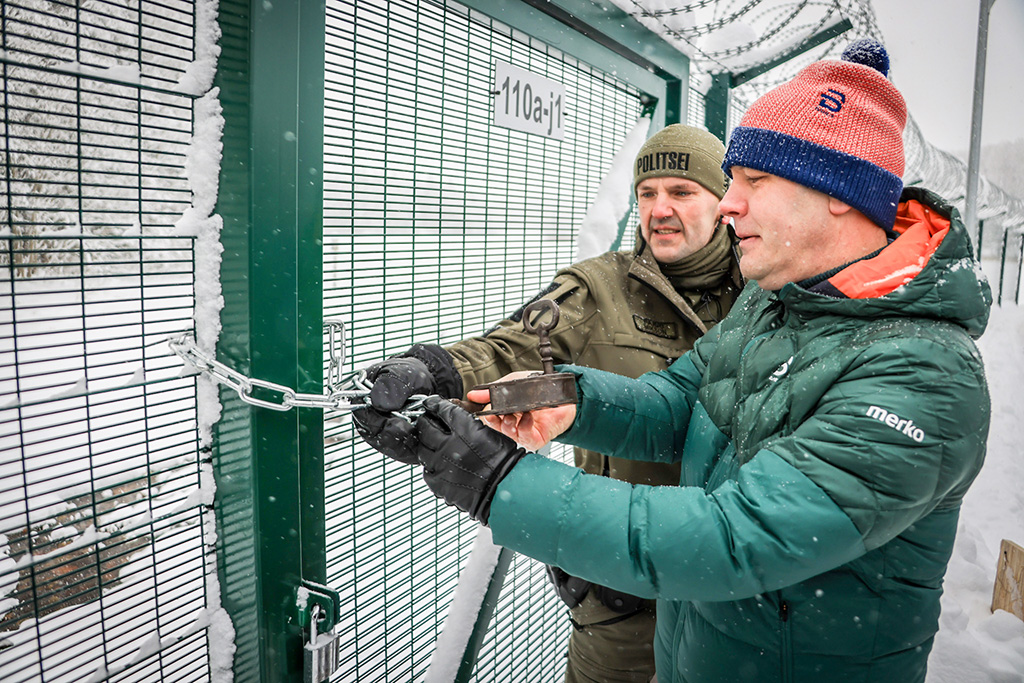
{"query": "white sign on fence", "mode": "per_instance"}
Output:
(528, 102)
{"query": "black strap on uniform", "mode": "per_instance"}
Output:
(607, 622)
(617, 601)
(571, 590)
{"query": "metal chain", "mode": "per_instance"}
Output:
(344, 392)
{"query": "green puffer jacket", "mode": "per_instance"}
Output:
(826, 443)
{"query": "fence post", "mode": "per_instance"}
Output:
(1002, 265)
(1020, 268)
(716, 105)
(483, 619)
(974, 153)
(269, 465)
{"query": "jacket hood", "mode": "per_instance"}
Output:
(929, 270)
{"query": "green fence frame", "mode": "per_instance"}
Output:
(270, 464)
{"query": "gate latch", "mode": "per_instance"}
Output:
(320, 610)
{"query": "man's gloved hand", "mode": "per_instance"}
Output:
(394, 381)
(463, 459)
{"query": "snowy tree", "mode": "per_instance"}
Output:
(1003, 164)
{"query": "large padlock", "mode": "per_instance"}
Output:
(320, 654)
(545, 389)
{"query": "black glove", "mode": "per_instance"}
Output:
(463, 459)
(394, 381)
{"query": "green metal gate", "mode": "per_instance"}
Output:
(438, 223)
(362, 179)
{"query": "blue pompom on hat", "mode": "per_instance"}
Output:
(868, 52)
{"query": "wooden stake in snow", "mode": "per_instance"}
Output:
(1008, 593)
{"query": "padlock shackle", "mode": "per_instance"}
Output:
(541, 329)
(540, 305)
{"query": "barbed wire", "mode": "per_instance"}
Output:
(706, 28)
(640, 12)
(764, 37)
(779, 24)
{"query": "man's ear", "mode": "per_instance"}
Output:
(838, 207)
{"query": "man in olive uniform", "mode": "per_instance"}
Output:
(624, 312)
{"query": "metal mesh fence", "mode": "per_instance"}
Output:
(1011, 267)
(103, 560)
(437, 224)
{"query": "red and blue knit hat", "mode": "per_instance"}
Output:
(837, 127)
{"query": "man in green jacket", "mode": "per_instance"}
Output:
(624, 312)
(828, 428)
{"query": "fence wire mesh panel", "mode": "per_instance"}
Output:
(1011, 267)
(437, 224)
(104, 566)
(694, 107)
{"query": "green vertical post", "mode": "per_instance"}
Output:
(269, 464)
(675, 100)
(1020, 268)
(483, 618)
(716, 105)
(232, 440)
(1002, 265)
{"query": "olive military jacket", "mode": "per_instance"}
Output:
(620, 313)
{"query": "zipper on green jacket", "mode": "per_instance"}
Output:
(787, 646)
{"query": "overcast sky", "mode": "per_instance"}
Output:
(932, 46)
